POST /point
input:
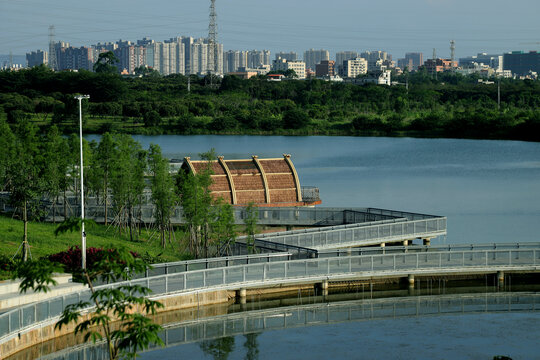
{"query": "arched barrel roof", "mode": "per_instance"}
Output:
(269, 182)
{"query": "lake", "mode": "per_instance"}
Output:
(489, 190)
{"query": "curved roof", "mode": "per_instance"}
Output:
(269, 182)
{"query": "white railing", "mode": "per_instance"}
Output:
(358, 235)
(290, 271)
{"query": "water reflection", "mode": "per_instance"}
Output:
(219, 349)
(215, 337)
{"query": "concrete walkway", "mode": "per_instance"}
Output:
(10, 296)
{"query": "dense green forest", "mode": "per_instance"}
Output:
(449, 106)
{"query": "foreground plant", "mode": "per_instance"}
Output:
(118, 312)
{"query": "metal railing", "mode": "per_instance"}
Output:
(377, 250)
(211, 263)
(289, 271)
(263, 246)
(363, 235)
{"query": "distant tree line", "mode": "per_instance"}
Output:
(450, 106)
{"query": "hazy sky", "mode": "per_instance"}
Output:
(493, 26)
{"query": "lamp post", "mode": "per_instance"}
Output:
(83, 234)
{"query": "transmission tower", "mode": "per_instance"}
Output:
(53, 62)
(213, 55)
(452, 53)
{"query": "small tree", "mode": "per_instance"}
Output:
(106, 63)
(25, 173)
(196, 201)
(162, 186)
(105, 155)
(250, 220)
(125, 303)
(224, 228)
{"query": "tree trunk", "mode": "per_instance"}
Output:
(130, 214)
(25, 236)
(65, 205)
(54, 209)
(105, 195)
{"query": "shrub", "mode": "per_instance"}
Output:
(6, 263)
(295, 119)
(71, 259)
(151, 118)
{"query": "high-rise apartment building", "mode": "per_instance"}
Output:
(36, 58)
(70, 58)
(289, 56)
(313, 57)
(342, 56)
(257, 58)
(411, 61)
(199, 57)
(231, 61)
(376, 59)
(131, 57)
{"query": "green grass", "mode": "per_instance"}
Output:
(43, 242)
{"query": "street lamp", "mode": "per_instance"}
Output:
(83, 234)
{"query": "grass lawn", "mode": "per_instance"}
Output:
(43, 242)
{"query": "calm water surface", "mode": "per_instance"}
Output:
(475, 336)
(489, 190)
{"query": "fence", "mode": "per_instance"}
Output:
(281, 272)
(363, 234)
(377, 250)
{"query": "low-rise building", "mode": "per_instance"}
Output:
(325, 68)
(522, 63)
(354, 67)
(299, 67)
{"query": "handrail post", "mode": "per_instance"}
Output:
(371, 262)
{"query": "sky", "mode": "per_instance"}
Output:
(492, 26)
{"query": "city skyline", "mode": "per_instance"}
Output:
(420, 26)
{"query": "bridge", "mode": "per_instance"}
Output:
(221, 276)
(329, 249)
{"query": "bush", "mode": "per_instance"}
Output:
(270, 123)
(223, 123)
(367, 122)
(151, 118)
(71, 259)
(295, 119)
(6, 263)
